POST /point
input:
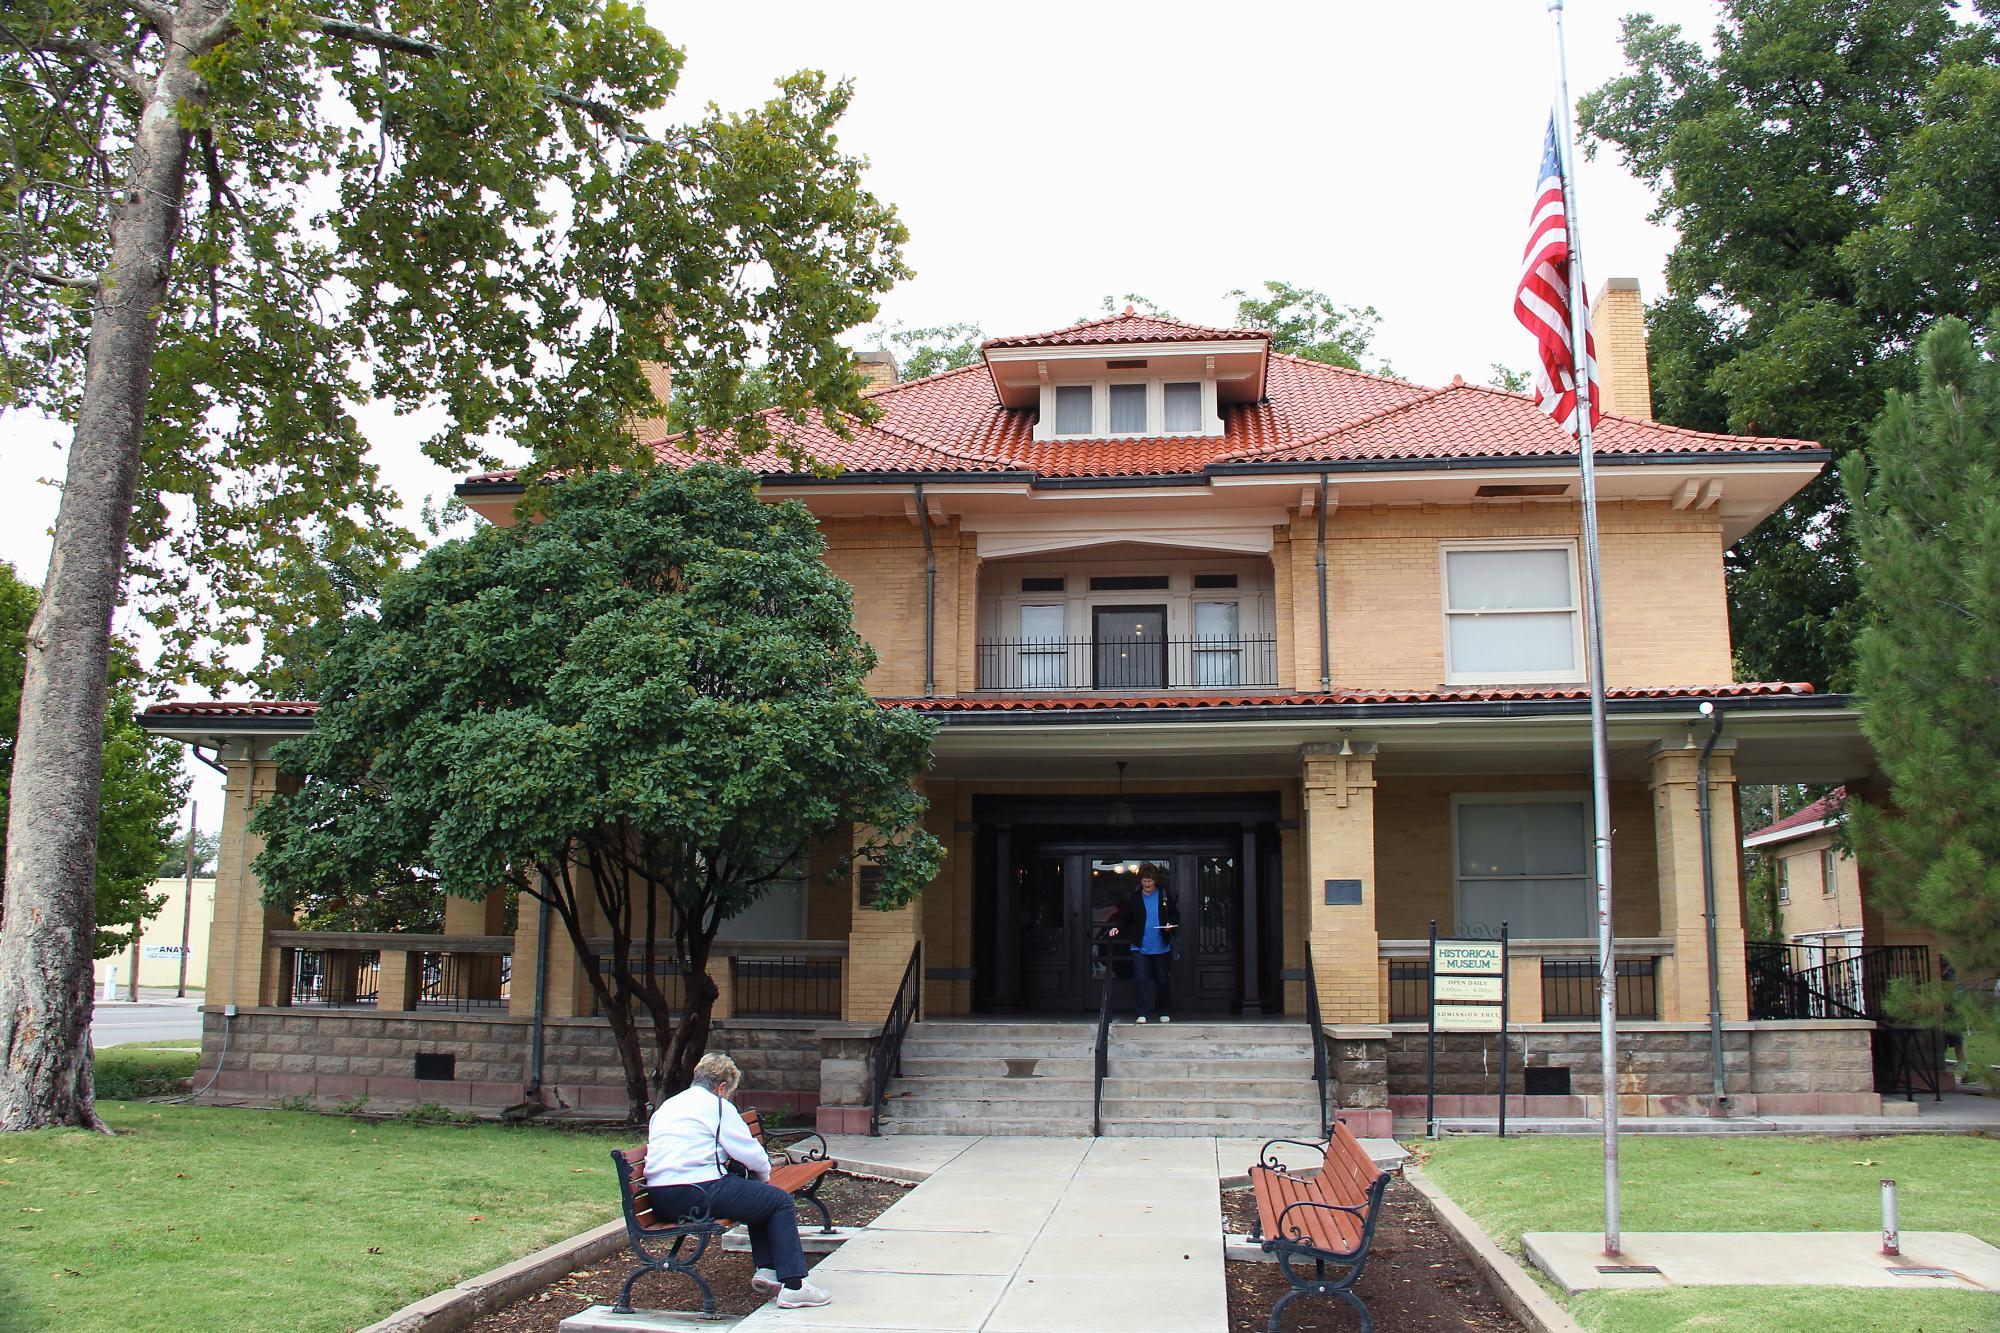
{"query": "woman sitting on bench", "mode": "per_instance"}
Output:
(696, 1138)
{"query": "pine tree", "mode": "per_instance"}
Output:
(1927, 523)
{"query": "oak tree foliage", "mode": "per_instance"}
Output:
(639, 711)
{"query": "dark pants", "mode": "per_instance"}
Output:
(765, 1211)
(1153, 974)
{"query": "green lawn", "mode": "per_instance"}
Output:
(1945, 1183)
(219, 1218)
(145, 1068)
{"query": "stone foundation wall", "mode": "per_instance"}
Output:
(1773, 1068)
(339, 1054)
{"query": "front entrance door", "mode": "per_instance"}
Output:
(1129, 647)
(1068, 894)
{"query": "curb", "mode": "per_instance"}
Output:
(456, 1307)
(1518, 1291)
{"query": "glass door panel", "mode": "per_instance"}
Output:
(1129, 647)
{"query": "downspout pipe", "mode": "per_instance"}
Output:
(1712, 710)
(535, 1048)
(930, 597)
(1319, 559)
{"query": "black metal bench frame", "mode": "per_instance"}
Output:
(696, 1229)
(1295, 1244)
(784, 1143)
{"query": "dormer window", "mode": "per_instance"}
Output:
(1128, 409)
(1073, 409)
(1183, 409)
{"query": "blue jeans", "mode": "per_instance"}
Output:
(765, 1211)
(1153, 974)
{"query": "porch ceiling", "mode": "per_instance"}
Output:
(1819, 743)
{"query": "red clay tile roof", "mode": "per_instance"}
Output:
(234, 708)
(1017, 703)
(1311, 413)
(1128, 328)
(1824, 808)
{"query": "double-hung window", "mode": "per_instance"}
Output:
(1218, 645)
(1523, 859)
(1784, 879)
(1511, 612)
(1829, 871)
(1043, 651)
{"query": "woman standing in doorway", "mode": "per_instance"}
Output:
(1149, 919)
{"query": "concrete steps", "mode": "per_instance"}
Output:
(1190, 1079)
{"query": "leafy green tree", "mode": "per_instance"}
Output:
(932, 350)
(1830, 173)
(1926, 502)
(639, 711)
(1510, 379)
(140, 776)
(223, 222)
(173, 858)
(1311, 324)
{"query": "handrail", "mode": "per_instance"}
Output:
(1103, 1052)
(1312, 1030)
(903, 1011)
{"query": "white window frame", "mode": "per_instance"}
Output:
(1784, 877)
(1578, 798)
(1055, 413)
(1155, 382)
(1499, 546)
(1829, 871)
(1147, 393)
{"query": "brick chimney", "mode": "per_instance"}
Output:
(661, 379)
(1618, 328)
(878, 368)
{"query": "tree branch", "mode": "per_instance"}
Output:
(86, 48)
(42, 275)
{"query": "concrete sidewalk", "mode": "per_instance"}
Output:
(1010, 1235)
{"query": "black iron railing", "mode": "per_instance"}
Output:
(1801, 981)
(1103, 1054)
(888, 1053)
(1188, 662)
(1570, 988)
(1409, 991)
(330, 978)
(464, 981)
(784, 987)
(1318, 1044)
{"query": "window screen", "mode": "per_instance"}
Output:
(1128, 409)
(1510, 613)
(1183, 408)
(1073, 409)
(1525, 863)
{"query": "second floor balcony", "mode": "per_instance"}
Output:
(1132, 661)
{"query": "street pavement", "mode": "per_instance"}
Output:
(161, 1018)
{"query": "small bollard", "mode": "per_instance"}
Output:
(1891, 1237)
(111, 982)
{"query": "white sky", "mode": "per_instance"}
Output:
(1043, 155)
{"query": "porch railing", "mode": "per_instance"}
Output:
(1801, 981)
(329, 978)
(785, 986)
(1571, 987)
(463, 982)
(1318, 1041)
(888, 1053)
(1170, 663)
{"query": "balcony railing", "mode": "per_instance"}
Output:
(1189, 662)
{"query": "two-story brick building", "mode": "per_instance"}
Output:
(1308, 639)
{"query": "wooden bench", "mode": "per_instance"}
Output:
(669, 1245)
(1328, 1218)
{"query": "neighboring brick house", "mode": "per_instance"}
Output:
(1309, 639)
(1825, 906)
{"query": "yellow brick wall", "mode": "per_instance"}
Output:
(242, 966)
(1666, 619)
(1338, 821)
(1677, 841)
(1812, 911)
(883, 560)
(1413, 845)
(1618, 332)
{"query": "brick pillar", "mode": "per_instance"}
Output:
(878, 950)
(1524, 988)
(401, 972)
(243, 965)
(343, 967)
(1618, 328)
(1339, 828)
(1677, 832)
(467, 916)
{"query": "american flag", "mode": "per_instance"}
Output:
(1541, 302)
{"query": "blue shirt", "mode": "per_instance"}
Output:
(1155, 938)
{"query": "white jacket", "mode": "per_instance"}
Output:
(694, 1135)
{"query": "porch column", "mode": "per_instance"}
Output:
(243, 966)
(1253, 924)
(1006, 923)
(478, 973)
(878, 949)
(399, 981)
(1677, 832)
(1339, 818)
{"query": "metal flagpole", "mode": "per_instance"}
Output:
(1600, 750)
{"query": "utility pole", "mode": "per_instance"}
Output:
(187, 900)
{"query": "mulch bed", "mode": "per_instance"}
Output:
(855, 1201)
(1416, 1278)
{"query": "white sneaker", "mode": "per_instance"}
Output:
(1166, 1018)
(793, 1298)
(1140, 1019)
(765, 1282)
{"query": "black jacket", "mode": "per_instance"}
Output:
(1131, 918)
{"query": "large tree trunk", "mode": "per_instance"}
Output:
(681, 1051)
(45, 965)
